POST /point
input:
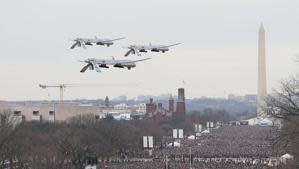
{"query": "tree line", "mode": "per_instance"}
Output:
(68, 144)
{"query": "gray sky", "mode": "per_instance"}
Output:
(218, 55)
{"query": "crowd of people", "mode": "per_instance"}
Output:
(180, 165)
(228, 147)
(228, 142)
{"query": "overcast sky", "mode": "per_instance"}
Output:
(218, 55)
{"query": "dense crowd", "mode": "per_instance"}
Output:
(228, 142)
(228, 147)
(179, 165)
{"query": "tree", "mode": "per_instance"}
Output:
(6, 129)
(284, 105)
(67, 145)
(10, 150)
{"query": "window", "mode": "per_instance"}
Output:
(51, 113)
(17, 113)
(35, 113)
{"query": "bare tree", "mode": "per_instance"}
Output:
(67, 145)
(5, 124)
(5, 134)
(284, 105)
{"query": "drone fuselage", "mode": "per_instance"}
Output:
(137, 49)
(96, 64)
(95, 41)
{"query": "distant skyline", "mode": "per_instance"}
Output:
(218, 56)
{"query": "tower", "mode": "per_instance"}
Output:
(180, 105)
(171, 104)
(181, 96)
(262, 81)
(107, 103)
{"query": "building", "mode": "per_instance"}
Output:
(4, 104)
(181, 94)
(160, 107)
(262, 81)
(51, 112)
(151, 107)
(156, 111)
(107, 103)
(180, 105)
(171, 104)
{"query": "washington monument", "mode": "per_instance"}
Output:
(262, 81)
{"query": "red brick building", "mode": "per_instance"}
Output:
(150, 108)
(180, 105)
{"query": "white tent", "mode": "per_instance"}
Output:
(175, 144)
(287, 156)
(266, 122)
(192, 137)
(91, 167)
(198, 135)
(253, 121)
(205, 132)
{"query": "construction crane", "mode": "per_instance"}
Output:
(61, 88)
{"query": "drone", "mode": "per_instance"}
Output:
(83, 42)
(96, 64)
(136, 49)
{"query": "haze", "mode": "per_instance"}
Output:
(218, 55)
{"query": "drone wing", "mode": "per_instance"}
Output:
(134, 61)
(141, 60)
(170, 45)
(111, 40)
(117, 39)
